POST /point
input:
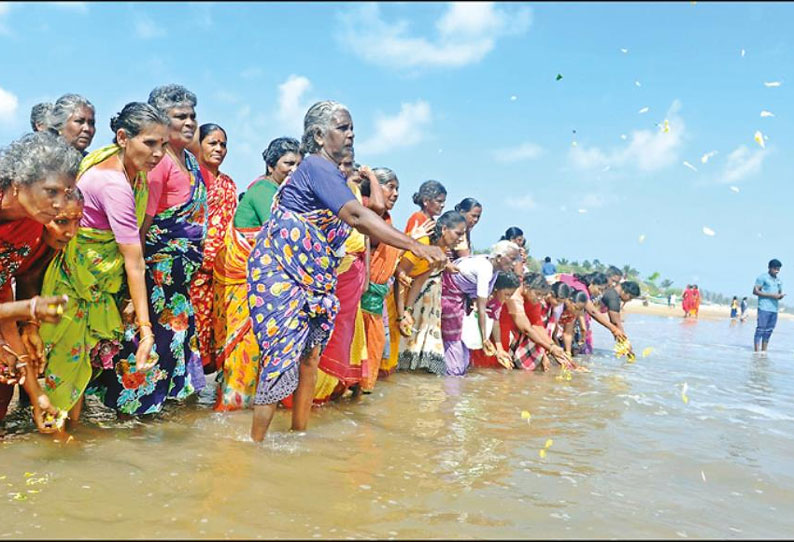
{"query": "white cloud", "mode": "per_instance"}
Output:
(291, 105)
(146, 28)
(524, 151)
(79, 7)
(647, 150)
(404, 129)
(742, 163)
(524, 203)
(466, 33)
(8, 104)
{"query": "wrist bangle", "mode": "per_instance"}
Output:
(33, 302)
(144, 324)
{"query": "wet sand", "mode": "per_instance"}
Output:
(707, 312)
(431, 457)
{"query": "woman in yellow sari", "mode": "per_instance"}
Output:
(236, 349)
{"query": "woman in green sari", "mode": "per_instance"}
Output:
(91, 269)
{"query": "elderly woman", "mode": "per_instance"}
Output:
(173, 230)
(221, 205)
(292, 269)
(471, 209)
(72, 117)
(236, 348)
(93, 268)
(39, 114)
(36, 172)
(475, 279)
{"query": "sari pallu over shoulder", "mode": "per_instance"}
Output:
(90, 270)
(291, 292)
(173, 253)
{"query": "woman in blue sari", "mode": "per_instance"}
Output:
(173, 232)
(292, 268)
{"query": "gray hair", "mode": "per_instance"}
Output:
(35, 157)
(134, 116)
(63, 108)
(167, 97)
(278, 148)
(502, 248)
(317, 120)
(39, 114)
(385, 175)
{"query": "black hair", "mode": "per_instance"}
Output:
(450, 219)
(207, 129)
(631, 288)
(278, 148)
(506, 280)
(75, 194)
(596, 277)
(775, 263)
(578, 296)
(547, 259)
(613, 270)
(134, 117)
(511, 233)
(560, 290)
(536, 281)
(467, 204)
(428, 190)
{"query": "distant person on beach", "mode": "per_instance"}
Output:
(769, 290)
(743, 307)
(548, 268)
(734, 308)
(695, 300)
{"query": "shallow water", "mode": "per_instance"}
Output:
(450, 457)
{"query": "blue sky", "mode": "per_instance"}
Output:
(467, 94)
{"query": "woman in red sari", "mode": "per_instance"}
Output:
(36, 173)
(221, 205)
(686, 300)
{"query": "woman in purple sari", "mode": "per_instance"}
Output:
(292, 268)
(474, 279)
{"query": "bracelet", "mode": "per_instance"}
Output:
(33, 303)
(30, 323)
(144, 324)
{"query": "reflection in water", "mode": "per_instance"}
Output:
(425, 456)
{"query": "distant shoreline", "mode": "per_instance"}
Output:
(707, 312)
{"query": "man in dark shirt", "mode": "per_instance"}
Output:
(614, 297)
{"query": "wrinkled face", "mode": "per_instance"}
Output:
(452, 236)
(64, 227)
(79, 129)
(507, 261)
(504, 294)
(183, 126)
(337, 141)
(43, 200)
(213, 149)
(145, 150)
(391, 191)
(472, 217)
(285, 166)
(435, 206)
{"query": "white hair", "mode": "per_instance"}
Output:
(502, 248)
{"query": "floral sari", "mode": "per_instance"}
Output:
(221, 204)
(173, 254)
(291, 286)
(90, 270)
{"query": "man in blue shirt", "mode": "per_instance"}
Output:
(769, 290)
(548, 268)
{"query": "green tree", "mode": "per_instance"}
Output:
(587, 265)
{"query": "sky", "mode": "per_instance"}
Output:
(625, 132)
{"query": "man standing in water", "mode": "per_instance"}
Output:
(769, 290)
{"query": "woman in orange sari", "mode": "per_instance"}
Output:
(221, 205)
(236, 350)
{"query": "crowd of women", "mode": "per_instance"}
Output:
(134, 271)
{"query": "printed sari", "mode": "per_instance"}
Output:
(291, 292)
(526, 354)
(173, 254)
(236, 348)
(221, 205)
(19, 240)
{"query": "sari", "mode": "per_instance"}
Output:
(383, 263)
(236, 350)
(526, 354)
(456, 291)
(424, 349)
(90, 270)
(221, 204)
(291, 292)
(173, 253)
(578, 332)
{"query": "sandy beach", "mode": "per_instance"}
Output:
(707, 312)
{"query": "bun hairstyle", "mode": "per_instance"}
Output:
(448, 220)
(207, 129)
(466, 205)
(134, 117)
(428, 190)
(560, 290)
(506, 280)
(536, 281)
(578, 296)
(511, 233)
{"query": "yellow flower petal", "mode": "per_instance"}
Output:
(542, 453)
(525, 415)
(549, 442)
